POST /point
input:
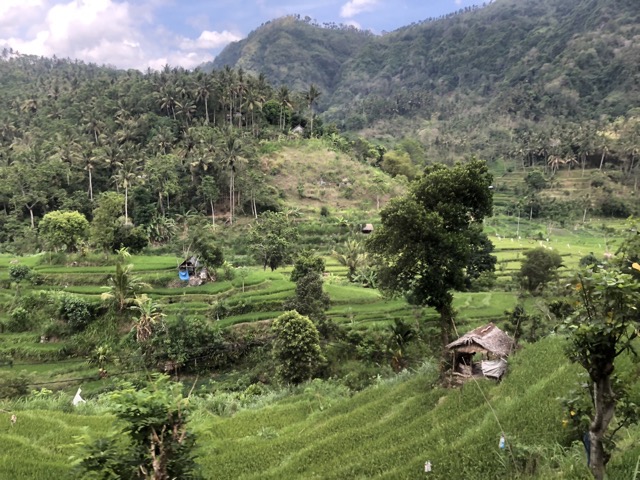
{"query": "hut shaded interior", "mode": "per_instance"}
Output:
(489, 343)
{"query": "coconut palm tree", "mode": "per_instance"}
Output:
(231, 151)
(351, 255)
(149, 315)
(127, 175)
(123, 285)
(203, 92)
(311, 96)
(284, 99)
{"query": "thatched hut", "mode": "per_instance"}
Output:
(189, 265)
(488, 341)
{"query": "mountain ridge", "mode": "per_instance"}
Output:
(531, 57)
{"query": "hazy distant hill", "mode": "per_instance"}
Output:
(577, 58)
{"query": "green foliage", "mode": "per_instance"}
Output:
(296, 347)
(123, 285)
(132, 238)
(106, 219)
(274, 238)
(614, 207)
(63, 229)
(602, 328)
(428, 237)
(76, 311)
(398, 163)
(310, 300)
(535, 180)
(14, 385)
(539, 267)
(351, 254)
(207, 249)
(187, 344)
(156, 421)
(307, 262)
(18, 273)
(20, 320)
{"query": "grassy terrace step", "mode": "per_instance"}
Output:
(387, 431)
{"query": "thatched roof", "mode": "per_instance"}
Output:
(487, 338)
(367, 228)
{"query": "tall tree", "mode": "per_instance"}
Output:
(232, 151)
(428, 236)
(311, 96)
(603, 327)
(273, 237)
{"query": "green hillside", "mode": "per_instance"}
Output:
(387, 431)
(532, 57)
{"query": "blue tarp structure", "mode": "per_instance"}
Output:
(184, 275)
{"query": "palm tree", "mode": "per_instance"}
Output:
(149, 315)
(123, 286)
(202, 92)
(125, 177)
(285, 102)
(311, 96)
(253, 101)
(352, 255)
(231, 150)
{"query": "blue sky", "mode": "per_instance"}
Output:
(151, 33)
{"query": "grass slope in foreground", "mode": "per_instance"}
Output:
(386, 431)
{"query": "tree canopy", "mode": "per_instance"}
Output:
(428, 237)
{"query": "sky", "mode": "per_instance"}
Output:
(146, 34)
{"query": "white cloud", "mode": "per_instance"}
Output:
(354, 7)
(114, 32)
(210, 40)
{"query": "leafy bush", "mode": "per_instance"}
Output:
(19, 273)
(614, 207)
(539, 267)
(19, 320)
(13, 385)
(75, 311)
(296, 347)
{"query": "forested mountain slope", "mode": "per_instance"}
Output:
(532, 58)
(294, 52)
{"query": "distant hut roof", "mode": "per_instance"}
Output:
(190, 262)
(367, 228)
(488, 338)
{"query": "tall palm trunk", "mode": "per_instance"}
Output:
(126, 202)
(90, 186)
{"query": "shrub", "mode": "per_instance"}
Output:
(19, 320)
(19, 273)
(296, 347)
(539, 267)
(75, 311)
(614, 207)
(14, 385)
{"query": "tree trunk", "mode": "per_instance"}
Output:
(604, 154)
(446, 321)
(90, 186)
(206, 110)
(604, 406)
(33, 225)
(126, 209)
(213, 214)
